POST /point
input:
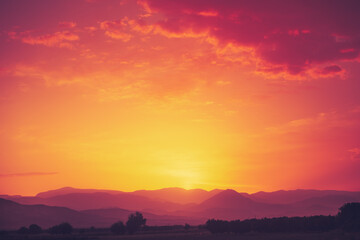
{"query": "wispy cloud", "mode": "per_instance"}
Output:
(50, 40)
(61, 39)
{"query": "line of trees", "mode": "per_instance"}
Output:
(347, 219)
(134, 223)
(63, 228)
(33, 229)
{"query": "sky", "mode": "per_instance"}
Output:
(123, 94)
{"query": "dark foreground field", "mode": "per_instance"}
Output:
(191, 235)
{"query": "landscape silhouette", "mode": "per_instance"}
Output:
(70, 210)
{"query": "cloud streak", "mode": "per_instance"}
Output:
(27, 174)
(60, 39)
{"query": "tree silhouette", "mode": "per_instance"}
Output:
(118, 228)
(35, 229)
(349, 217)
(186, 226)
(63, 228)
(23, 230)
(134, 222)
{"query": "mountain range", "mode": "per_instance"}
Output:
(168, 206)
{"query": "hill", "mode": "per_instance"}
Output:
(200, 204)
(68, 190)
(14, 215)
(178, 195)
(292, 196)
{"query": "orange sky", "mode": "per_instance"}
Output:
(249, 95)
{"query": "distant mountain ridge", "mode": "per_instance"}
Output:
(227, 198)
(14, 215)
(178, 195)
(68, 190)
(292, 196)
(174, 194)
(192, 205)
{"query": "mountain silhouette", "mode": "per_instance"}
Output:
(164, 205)
(68, 190)
(175, 195)
(292, 196)
(226, 199)
(116, 214)
(99, 200)
(83, 201)
(328, 204)
(230, 205)
(178, 195)
(14, 215)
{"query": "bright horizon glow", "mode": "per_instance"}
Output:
(152, 94)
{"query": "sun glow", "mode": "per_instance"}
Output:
(145, 95)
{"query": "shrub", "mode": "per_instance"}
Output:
(23, 230)
(35, 229)
(118, 228)
(349, 217)
(63, 228)
(186, 226)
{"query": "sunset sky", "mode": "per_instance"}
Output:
(127, 95)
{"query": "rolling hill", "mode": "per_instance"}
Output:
(163, 206)
(14, 215)
(68, 190)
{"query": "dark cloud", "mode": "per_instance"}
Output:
(331, 69)
(293, 35)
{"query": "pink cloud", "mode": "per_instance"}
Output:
(330, 70)
(57, 39)
(116, 29)
(67, 24)
(295, 35)
(355, 153)
(124, 29)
